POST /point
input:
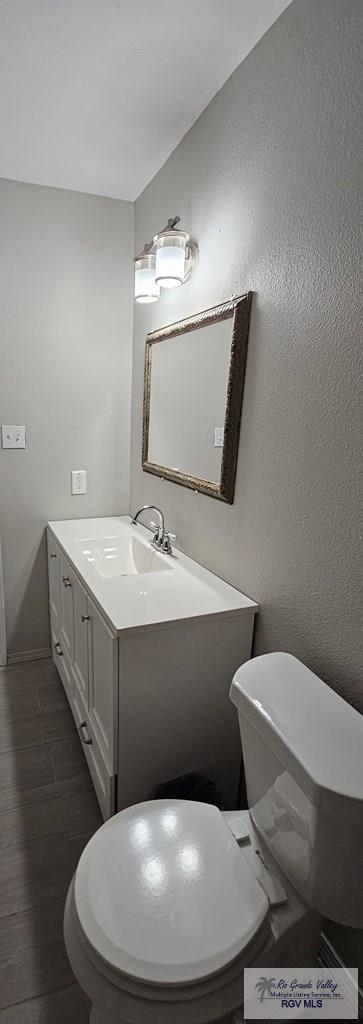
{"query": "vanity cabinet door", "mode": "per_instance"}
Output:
(54, 579)
(103, 780)
(65, 648)
(67, 581)
(103, 684)
(80, 656)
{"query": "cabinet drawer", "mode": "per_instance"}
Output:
(103, 782)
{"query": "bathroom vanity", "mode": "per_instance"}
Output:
(146, 645)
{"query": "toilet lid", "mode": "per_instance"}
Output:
(164, 894)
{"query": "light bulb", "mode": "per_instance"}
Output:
(146, 288)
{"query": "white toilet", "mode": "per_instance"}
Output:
(172, 899)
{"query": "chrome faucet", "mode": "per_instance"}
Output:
(161, 539)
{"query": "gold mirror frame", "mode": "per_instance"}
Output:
(238, 310)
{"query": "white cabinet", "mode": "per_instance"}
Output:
(149, 703)
(86, 655)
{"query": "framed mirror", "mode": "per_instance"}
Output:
(193, 391)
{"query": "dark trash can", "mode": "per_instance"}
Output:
(191, 786)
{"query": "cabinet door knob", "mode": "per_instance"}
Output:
(58, 649)
(85, 618)
(85, 739)
(52, 555)
(66, 581)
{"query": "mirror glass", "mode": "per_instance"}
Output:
(188, 399)
(194, 372)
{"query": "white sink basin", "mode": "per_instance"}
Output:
(121, 556)
(123, 573)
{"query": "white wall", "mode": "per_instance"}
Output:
(268, 181)
(65, 339)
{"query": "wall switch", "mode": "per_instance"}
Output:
(218, 437)
(79, 481)
(13, 437)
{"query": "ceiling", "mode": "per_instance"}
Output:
(95, 94)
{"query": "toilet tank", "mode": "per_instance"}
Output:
(303, 758)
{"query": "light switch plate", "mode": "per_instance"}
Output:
(218, 437)
(13, 436)
(79, 481)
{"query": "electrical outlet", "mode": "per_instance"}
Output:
(218, 437)
(79, 481)
(13, 436)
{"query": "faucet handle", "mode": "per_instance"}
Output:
(157, 538)
(166, 545)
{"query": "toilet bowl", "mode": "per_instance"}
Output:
(171, 900)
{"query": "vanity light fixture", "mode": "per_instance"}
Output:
(167, 262)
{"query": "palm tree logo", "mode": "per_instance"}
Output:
(264, 986)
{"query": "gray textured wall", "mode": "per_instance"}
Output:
(65, 338)
(268, 181)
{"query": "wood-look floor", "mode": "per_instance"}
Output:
(48, 811)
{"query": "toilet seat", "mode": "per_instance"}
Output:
(164, 896)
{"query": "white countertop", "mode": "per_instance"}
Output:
(184, 591)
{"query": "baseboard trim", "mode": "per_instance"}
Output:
(20, 656)
(330, 958)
